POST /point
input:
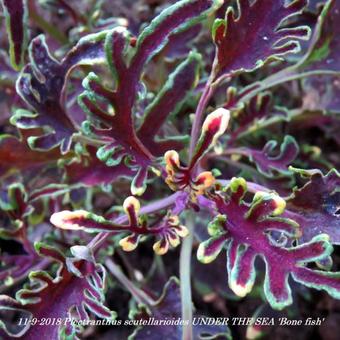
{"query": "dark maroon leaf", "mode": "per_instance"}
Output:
(323, 92)
(269, 162)
(90, 171)
(119, 127)
(16, 16)
(325, 43)
(168, 101)
(315, 206)
(252, 112)
(258, 229)
(257, 34)
(42, 85)
(79, 291)
(15, 154)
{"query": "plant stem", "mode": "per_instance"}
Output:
(206, 95)
(97, 241)
(235, 151)
(283, 76)
(252, 187)
(271, 121)
(185, 279)
(208, 91)
(242, 166)
(44, 25)
(138, 294)
(186, 248)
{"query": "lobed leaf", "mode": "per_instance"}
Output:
(168, 102)
(246, 116)
(269, 164)
(15, 267)
(322, 93)
(168, 231)
(41, 85)
(258, 35)
(90, 171)
(258, 230)
(174, 19)
(118, 132)
(68, 295)
(324, 47)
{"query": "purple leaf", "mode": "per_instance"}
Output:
(97, 101)
(168, 231)
(90, 171)
(247, 232)
(179, 44)
(211, 248)
(168, 102)
(256, 109)
(325, 42)
(8, 304)
(269, 164)
(59, 297)
(15, 154)
(118, 128)
(172, 20)
(15, 266)
(315, 206)
(15, 200)
(257, 35)
(323, 92)
(42, 85)
(16, 16)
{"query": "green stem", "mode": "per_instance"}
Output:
(252, 187)
(203, 102)
(137, 293)
(286, 75)
(185, 279)
(100, 238)
(44, 25)
(242, 166)
(209, 89)
(271, 121)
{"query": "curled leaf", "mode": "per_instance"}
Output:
(64, 296)
(41, 85)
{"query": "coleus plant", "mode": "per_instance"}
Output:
(196, 129)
